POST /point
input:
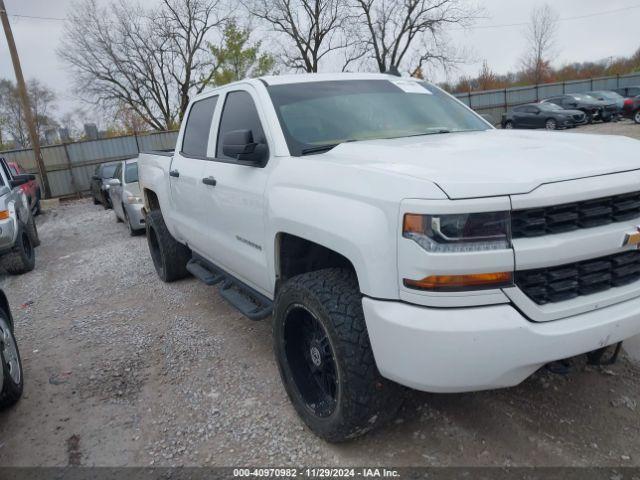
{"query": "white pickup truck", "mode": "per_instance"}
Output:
(396, 238)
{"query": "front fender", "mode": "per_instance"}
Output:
(361, 230)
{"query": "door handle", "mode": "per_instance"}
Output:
(209, 181)
(174, 173)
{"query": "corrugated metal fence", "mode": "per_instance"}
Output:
(493, 103)
(70, 166)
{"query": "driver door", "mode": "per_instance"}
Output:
(234, 195)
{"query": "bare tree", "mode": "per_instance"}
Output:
(12, 119)
(541, 38)
(150, 60)
(313, 28)
(396, 32)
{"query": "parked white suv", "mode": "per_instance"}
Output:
(396, 237)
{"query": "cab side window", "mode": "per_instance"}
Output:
(239, 113)
(196, 132)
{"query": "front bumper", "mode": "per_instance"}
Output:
(135, 214)
(480, 348)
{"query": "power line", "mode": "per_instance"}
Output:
(36, 18)
(565, 19)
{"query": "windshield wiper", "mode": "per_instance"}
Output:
(319, 148)
(432, 132)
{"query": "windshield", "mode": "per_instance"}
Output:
(131, 172)
(585, 98)
(108, 171)
(316, 116)
(549, 106)
(608, 95)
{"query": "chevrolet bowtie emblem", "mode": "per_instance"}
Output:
(632, 238)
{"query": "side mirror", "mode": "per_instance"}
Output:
(113, 182)
(239, 144)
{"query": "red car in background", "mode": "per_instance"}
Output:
(631, 108)
(31, 188)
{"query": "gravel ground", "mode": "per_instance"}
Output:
(624, 127)
(122, 369)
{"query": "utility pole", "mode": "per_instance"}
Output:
(24, 98)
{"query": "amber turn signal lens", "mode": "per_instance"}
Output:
(413, 223)
(4, 214)
(474, 281)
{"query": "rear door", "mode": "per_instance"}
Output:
(235, 195)
(186, 173)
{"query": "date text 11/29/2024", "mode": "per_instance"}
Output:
(316, 472)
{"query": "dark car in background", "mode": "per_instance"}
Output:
(628, 92)
(100, 183)
(608, 96)
(11, 381)
(593, 108)
(542, 115)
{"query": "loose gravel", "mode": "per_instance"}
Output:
(122, 369)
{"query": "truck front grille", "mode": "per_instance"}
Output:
(536, 222)
(563, 282)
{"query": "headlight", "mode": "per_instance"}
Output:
(132, 199)
(460, 232)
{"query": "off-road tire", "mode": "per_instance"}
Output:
(364, 399)
(22, 257)
(11, 391)
(33, 231)
(169, 256)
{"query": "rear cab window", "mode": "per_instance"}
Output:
(196, 133)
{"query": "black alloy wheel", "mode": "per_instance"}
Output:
(311, 359)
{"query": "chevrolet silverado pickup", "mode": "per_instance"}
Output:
(396, 238)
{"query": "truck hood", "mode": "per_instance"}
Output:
(492, 162)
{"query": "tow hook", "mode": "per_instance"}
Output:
(600, 358)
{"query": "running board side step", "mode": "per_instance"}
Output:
(248, 301)
(205, 274)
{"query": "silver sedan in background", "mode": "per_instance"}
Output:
(126, 197)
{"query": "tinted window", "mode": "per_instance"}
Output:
(14, 170)
(532, 109)
(519, 109)
(239, 114)
(131, 173)
(108, 171)
(196, 133)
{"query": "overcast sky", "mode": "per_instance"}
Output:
(592, 37)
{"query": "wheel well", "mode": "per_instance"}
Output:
(151, 199)
(296, 255)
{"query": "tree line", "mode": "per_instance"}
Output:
(535, 65)
(139, 66)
